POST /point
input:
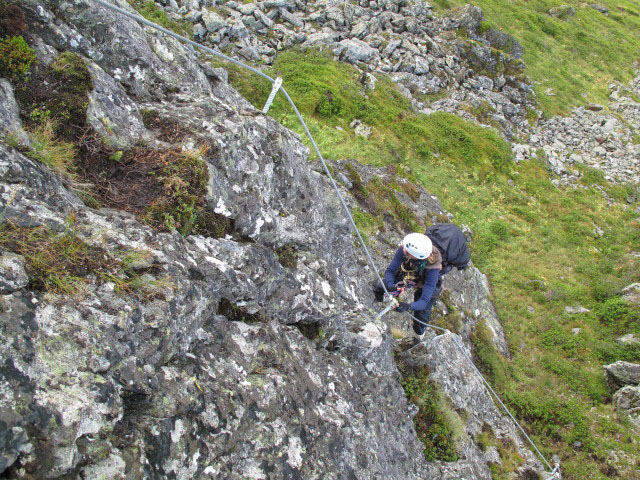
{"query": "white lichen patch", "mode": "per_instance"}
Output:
(372, 334)
(326, 288)
(221, 208)
(294, 452)
(178, 431)
(163, 52)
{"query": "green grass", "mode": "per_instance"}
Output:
(149, 10)
(62, 262)
(57, 154)
(527, 233)
(575, 57)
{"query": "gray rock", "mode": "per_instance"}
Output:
(449, 364)
(468, 17)
(247, 8)
(505, 42)
(293, 19)
(621, 373)
(260, 16)
(627, 400)
(628, 339)
(631, 293)
(12, 273)
(576, 310)
(10, 124)
(112, 113)
(363, 130)
(354, 50)
(214, 22)
(563, 12)
(599, 7)
(360, 30)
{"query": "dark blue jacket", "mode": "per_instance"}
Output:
(430, 281)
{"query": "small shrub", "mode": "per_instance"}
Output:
(329, 105)
(615, 312)
(432, 427)
(287, 256)
(235, 313)
(12, 20)
(58, 93)
(16, 58)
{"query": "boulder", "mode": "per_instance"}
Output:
(631, 293)
(620, 374)
(628, 339)
(468, 17)
(627, 400)
(563, 12)
(354, 51)
(214, 22)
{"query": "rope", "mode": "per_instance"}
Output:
(555, 472)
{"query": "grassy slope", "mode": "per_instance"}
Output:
(525, 229)
(594, 48)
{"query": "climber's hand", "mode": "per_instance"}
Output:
(403, 307)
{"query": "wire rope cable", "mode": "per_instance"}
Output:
(555, 472)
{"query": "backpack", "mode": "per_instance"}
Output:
(452, 244)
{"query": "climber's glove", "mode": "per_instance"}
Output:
(403, 307)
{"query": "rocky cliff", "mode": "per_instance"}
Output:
(247, 349)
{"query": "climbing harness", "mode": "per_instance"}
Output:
(555, 472)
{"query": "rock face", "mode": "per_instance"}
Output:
(230, 361)
(470, 399)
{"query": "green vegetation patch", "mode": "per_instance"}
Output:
(510, 458)
(16, 57)
(59, 155)
(287, 256)
(149, 10)
(164, 188)
(62, 262)
(433, 423)
(236, 313)
(60, 94)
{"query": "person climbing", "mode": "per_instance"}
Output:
(416, 262)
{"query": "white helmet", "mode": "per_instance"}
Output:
(417, 245)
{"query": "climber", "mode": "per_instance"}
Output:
(416, 260)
